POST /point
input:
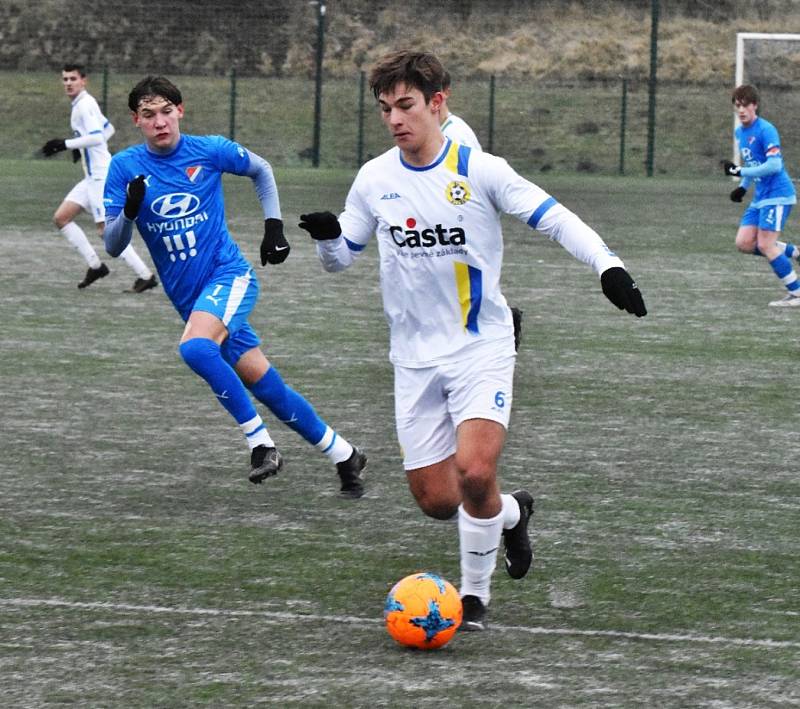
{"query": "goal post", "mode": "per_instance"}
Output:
(743, 39)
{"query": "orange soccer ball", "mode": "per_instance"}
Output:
(422, 611)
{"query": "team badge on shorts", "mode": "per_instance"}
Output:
(457, 192)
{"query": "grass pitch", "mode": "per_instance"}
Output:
(139, 568)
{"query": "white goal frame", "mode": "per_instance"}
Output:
(741, 38)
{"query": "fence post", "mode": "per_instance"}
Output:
(622, 119)
(105, 90)
(490, 146)
(318, 82)
(232, 129)
(651, 104)
(360, 137)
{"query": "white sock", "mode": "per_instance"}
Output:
(77, 238)
(479, 540)
(130, 257)
(256, 433)
(510, 511)
(335, 446)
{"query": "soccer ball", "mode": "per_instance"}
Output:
(423, 611)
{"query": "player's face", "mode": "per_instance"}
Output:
(73, 83)
(159, 121)
(414, 124)
(745, 112)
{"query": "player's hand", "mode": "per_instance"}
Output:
(738, 194)
(135, 196)
(730, 168)
(321, 225)
(274, 247)
(620, 289)
(76, 155)
(51, 147)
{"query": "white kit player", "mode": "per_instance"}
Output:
(91, 131)
(434, 207)
(453, 126)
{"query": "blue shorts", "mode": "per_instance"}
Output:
(770, 218)
(231, 298)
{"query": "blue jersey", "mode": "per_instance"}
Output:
(182, 218)
(757, 143)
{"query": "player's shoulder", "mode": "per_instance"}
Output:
(378, 165)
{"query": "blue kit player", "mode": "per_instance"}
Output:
(774, 194)
(171, 187)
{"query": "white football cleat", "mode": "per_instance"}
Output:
(788, 301)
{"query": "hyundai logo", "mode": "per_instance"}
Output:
(175, 205)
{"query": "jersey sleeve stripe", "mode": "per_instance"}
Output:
(536, 217)
(353, 246)
(470, 292)
(457, 159)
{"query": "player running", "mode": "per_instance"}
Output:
(774, 194)
(91, 132)
(434, 207)
(171, 186)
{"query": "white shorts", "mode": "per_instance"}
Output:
(89, 194)
(430, 402)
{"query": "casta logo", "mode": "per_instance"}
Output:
(414, 237)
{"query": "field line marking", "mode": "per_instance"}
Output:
(286, 615)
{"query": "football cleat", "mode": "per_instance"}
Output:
(264, 463)
(474, 614)
(788, 301)
(350, 474)
(140, 285)
(519, 554)
(94, 274)
(516, 316)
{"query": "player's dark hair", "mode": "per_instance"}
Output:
(154, 86)
(80, 68)
(745, 95)
(419, 70)
(446, 80)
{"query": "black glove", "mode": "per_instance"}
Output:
(321, 225)
(135, 191)
(730, 168)
(738, 194)
(76, 155)
(51, 147)
(620, 289)
(274, 247)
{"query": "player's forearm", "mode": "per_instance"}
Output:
(117, 234)
(84, 141)
(260, 171)
(334, 254)
(770, 166)
(584, 243)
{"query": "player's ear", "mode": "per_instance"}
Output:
(436, 101)
(179, 107)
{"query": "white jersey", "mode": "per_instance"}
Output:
(441, 246)
(90, 130)
(458, 130)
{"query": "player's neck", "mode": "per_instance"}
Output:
(427, 152)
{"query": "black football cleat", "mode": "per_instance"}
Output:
(140, 285)
(519, 554)
(516, 316)
(351, 476)
(94, 274)
(474, 614)
(264, 463)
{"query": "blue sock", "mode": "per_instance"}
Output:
(783, 270)
(204, 358)
(289, 406)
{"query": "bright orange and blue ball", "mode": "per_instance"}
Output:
(422, 611)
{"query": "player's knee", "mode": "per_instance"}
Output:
(438, 508)
(198, 353)
(477, 483)
(60, 221)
